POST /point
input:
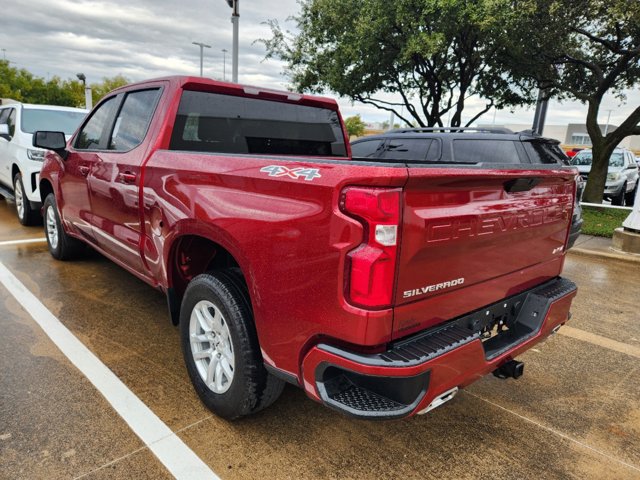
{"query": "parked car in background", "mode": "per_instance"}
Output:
(572, 152)
(469, 146)
(20, 162)
(622, 175)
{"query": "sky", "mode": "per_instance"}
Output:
(142, 39)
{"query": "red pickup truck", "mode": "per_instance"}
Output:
(379, 287)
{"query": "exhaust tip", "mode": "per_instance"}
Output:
(440, 400)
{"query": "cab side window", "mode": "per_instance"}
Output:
(365, 149)
(407, 149)
(4, 113)
(133, 119)
(11, 121)
(91, 134)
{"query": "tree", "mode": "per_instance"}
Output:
(433, 54)
(99, 90)
(355, 126)
(580, 50)
(23, 86)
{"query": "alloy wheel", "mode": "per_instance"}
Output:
(211, 346)
(52, 227)
(19, 199)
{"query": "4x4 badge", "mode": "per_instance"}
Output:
(300, 172)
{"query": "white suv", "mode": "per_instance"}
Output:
(20, 162)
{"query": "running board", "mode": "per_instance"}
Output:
(6, 193)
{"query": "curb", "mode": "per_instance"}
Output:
(623, 257)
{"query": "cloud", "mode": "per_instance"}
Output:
(152, 38)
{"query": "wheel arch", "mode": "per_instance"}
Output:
(15, 169)
(192, 253)
(46, 188)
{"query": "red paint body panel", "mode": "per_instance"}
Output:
(291, 240)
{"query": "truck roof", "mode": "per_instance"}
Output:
(209, 84)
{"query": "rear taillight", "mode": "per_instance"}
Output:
(371, 266)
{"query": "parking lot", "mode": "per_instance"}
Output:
(574, 414)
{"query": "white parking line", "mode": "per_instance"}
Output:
(20, 242)
(174, 454)
(599, 340)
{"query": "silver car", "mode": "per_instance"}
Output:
(622, 175)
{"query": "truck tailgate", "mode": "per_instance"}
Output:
(473, 236)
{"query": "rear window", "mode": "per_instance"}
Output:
(543, 152)
(485, 151)
(211, 122)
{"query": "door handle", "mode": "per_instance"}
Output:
(127, 177)
(84, 170)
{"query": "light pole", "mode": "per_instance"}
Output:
(202, 47)
(606, 128)
(4, 54)
(544, 94)
(541, 111)
(224, 64)
(88, 100)
(235, 20)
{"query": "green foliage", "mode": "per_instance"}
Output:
(433, 54)
(583, 51)
(355, 126)
(23, 86)
(99, 90)
(601, 222)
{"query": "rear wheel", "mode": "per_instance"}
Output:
(61, 245)
(220, 347)
(27, 215)
(630, 198)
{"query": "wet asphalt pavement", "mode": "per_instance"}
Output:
(574, 414)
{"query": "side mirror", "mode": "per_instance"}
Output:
(55, 141)
(4, 129)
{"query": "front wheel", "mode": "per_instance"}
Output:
(220, 347)
(61, 245)
(26, 215)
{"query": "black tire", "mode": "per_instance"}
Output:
(65, 247)
(619, 198)
(630, 198)
(26, 215)
(252, 388)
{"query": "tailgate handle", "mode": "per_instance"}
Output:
(520, 184)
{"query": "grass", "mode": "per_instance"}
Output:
(601, 222)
